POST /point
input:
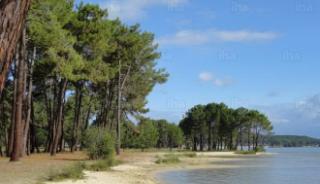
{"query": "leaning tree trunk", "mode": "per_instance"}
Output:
(12, 18)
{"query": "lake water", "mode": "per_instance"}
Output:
(288, 166)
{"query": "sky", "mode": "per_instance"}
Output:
(257, 54)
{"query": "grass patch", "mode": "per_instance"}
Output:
(102, 165)
(168, 159)
(190, 155)
(75, 171)
(72, 172)
(250, 152)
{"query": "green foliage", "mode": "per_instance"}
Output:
(219, 127)
(250, 152)
(47, 20)
(191, 155)
(99, 144)
(168, 159)
(101, 165)
(175, 136)
(260, 149)
(129, 134)
(72, 172)
(170, 135)
(291, 141)
(148, 134)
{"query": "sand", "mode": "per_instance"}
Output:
(140, 168)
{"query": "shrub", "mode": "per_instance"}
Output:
(250, 152)
(101, 165)
(260, 149)
(191, 155)
(168, 159)
(99, 144)
(72, 172)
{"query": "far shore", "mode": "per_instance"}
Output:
(140, 167)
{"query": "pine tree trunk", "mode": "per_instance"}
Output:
(118, 145)
(18, 123)
(25, 106)
(210, 137)
(13, 110)
(77, 118)
(57, 128)
(12, 18)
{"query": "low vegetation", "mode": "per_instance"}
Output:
(168, 159)
(250, 152)
(74, 172)
(99, 144)
(190, 155)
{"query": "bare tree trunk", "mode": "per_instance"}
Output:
(77, 118)
(25, 124)
(249, 144)
(87, 118)
(18, 124)
(13, 110)
(209, 137)
(12, 18)
(57, 128)
(241, 139)
(118, 145)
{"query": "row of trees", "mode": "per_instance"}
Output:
(218, 127)
(74, 68)
(150, 133)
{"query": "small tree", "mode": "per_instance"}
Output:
(99, 144)
(175, 136)
(148, 134)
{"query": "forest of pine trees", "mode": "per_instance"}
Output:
(68, 69)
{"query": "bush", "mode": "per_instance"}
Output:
(191, 155)
(101, 165)
(250, 152)
(260, 149)
(99, 144)
(168, 159)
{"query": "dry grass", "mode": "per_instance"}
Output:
(35, 167)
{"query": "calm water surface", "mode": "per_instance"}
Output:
(288, 166)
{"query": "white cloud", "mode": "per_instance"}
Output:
(222, 82)
(205, 76)
(198, 37)
(135, 9)
(209, 77)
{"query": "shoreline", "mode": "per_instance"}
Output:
(140, 168)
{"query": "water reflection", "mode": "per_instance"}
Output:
(288, 166)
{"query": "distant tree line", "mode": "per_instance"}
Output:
(218, 127)
(150, 133)
(291, 141)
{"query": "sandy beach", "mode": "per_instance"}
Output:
(140, 168)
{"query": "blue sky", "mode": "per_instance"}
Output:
(252, 53)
